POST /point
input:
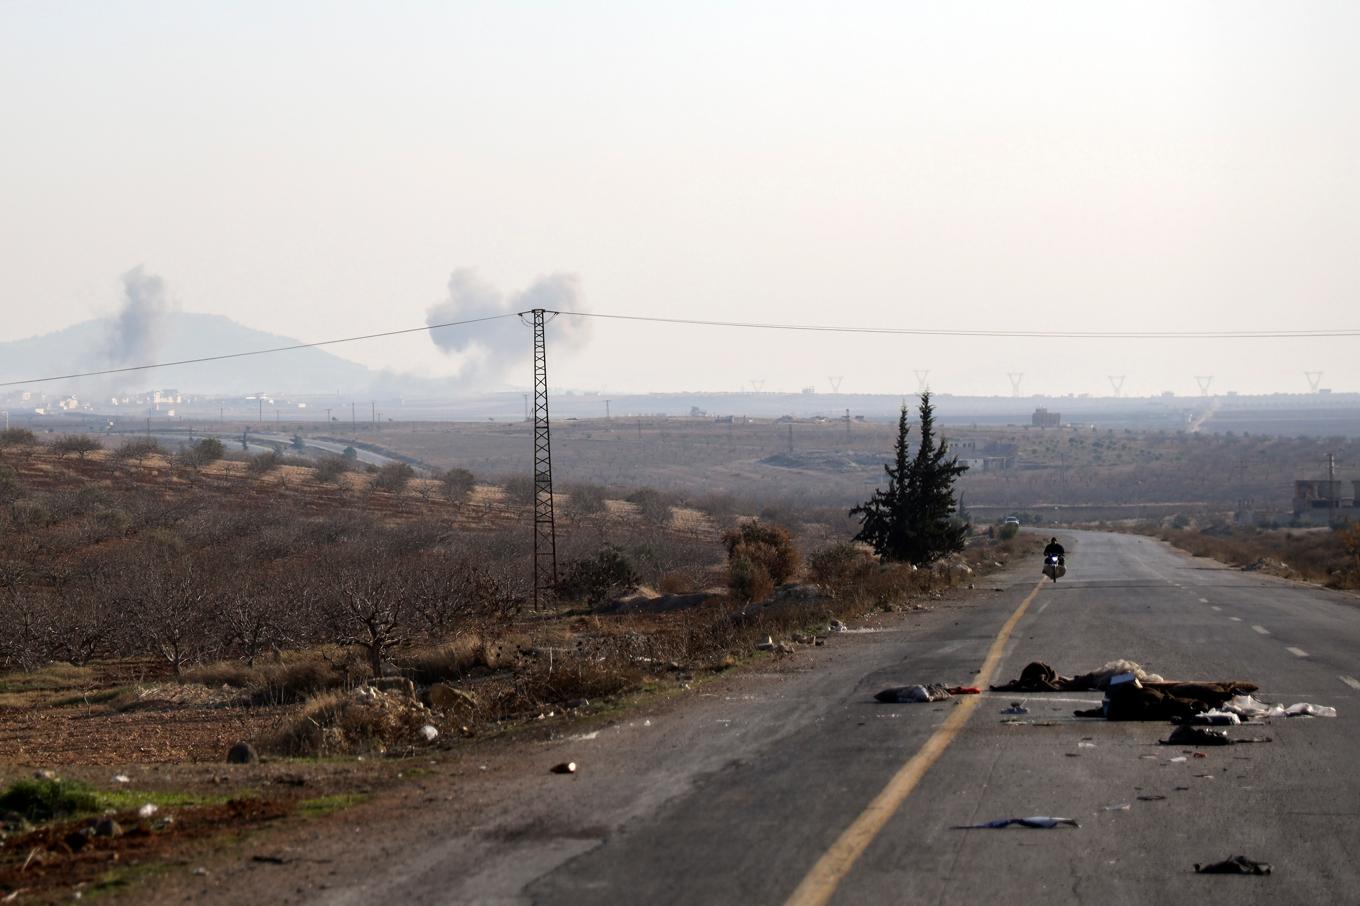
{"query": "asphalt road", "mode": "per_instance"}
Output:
(734, 796)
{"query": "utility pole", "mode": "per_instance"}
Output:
(1015, 377)
(922, 375)
(545, 528)
(847, 428)
(526, 407)
(790, 438)
(373, 411)
(639, 429)
(260, 401)
(276, 419)
(221, 414)
(148, 427)
(1314, 378)
(1331, 489)
(328, 416)
(1205, 381)
(606, 410)
(353, 423)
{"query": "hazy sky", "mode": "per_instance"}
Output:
(322, 169)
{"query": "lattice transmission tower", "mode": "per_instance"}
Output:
(545, 526)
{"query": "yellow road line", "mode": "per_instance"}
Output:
(821, 882)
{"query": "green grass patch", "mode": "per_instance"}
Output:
(325, 805)
(120, 879)
(47, 800)
(44, 800)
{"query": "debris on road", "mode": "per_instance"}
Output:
(1039, 677)
(1120, 807)
(964, 690)
(932, 692)
(1039, 821)
(1246, 707)
(1015, 708)
(1202, 736)
(566, 767)
(1237, 865)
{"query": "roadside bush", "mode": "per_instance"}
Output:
(768, 545)
(43, 800)
(1008, 531)
(394, 477)
(9, 484)
(653, 507)
(596, 579)
(748, 579)
(841, 566)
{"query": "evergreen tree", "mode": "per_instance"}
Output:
(912, 519)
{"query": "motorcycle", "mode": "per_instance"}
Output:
(1054, 567)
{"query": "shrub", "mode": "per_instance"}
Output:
(652, 506)
(840, 566)
(9, 484)
(329, 469)
(42, 800)
(596, 579)
(1008, 531)
(17, 437)
(394, 477)
(748, 579)
(202, 452)
(585, 500)
(137, 449)
(457, 484)
(767, 545)
(519, 489)
(79, 444)
(264, 463)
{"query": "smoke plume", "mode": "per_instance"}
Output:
(492, 350)
(138, 327)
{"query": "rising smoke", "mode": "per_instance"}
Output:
(137, 329)
(492, 350)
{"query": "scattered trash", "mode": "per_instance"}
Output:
(767, 644)
(933, 692)
(1039, 677)
(429, 731)
(836, 626)
(1121, 807)
(1237, 865)
(1303, 709)
(121, 778)
(1086, 745)
(1039, 821)
(1179, 759)
(1197, 736)
(1202, 736)
(1213, 718)
(147, 810)
(1015, 708)
(566, 767)
(200, 871)
(964, 690)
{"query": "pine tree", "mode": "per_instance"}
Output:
(912, 519)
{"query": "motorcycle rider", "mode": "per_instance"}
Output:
(1054, 549)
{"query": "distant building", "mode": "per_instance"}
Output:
(1318, 500)
(1042, 418)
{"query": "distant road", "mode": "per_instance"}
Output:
(734, 794)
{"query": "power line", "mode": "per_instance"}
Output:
(945, 332)
(241, 355)
(748, 325)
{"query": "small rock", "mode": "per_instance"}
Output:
(121, 778)
(107, 827)
(242, 753)
(148, 810)
(837, 626)
(200, 871)
(45, 774)
(566, 767)
(820, 641)
(766, 644)
(429, 732)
